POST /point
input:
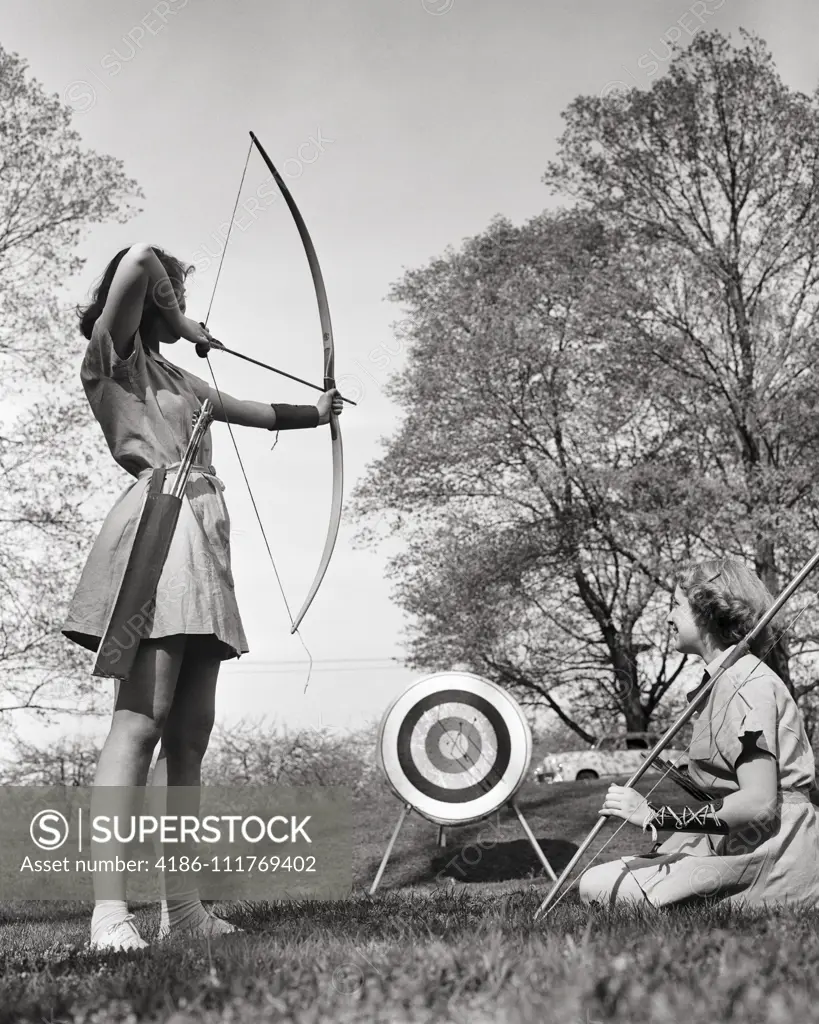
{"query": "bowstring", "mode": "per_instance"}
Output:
(233, 439)
(571, 883)
(230, 231)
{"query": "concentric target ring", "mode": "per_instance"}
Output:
(455, 747)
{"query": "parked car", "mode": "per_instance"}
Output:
(613, 754)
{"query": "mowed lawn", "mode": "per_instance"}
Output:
(450, 936)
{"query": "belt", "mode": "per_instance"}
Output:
(783, 796)
(793, 796)
(208, 471)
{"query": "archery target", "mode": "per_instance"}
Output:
(455, 747)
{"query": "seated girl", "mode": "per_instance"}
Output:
(757, 842)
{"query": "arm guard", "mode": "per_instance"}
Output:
(700, 819)
(294, 417)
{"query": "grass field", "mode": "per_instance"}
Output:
(449, 937)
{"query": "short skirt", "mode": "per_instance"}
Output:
(195, 595)
(753, 866)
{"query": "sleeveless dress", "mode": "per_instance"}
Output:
(145, 406)
(757, 863)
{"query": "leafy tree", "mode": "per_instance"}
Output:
(607, 392)
(259, 753)
(52, 189)
(67, 761)
(711, 178)
(542, 494)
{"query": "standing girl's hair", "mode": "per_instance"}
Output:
(176, 270)
(727, 600)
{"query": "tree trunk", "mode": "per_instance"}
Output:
(765, 555)
(627, 684)
(778, 658)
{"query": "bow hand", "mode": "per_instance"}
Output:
(626, 803)
(193, 331)
(330, 404)
(203, 339)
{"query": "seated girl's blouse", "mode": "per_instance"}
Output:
(143, 403)
(749, 699)
(765, 861)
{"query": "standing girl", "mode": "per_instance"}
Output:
(757, 842)
(146, 408)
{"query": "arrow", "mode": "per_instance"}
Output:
(202, 350)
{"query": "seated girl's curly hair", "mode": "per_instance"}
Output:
(727, 600)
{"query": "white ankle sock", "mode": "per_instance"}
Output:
(186, 914)
(184, 910)
(107, 913)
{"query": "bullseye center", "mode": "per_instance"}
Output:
(453, 745)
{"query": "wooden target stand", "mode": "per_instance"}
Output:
(455, 748)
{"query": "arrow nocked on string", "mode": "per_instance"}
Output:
(202, 351)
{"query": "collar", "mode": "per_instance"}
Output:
(162, 361)
(712, 666)
(710, 669)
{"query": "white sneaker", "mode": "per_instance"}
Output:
(120, 936)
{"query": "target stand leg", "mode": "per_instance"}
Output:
(441, 837)
(404, 812)
(535, 844)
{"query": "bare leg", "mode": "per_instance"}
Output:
(184, 743)
(141, 708)
(610, 883)
(187, 729)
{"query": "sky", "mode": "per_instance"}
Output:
(401, 127)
